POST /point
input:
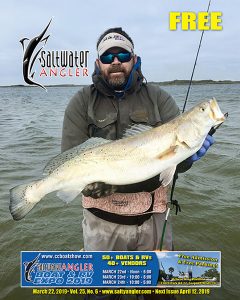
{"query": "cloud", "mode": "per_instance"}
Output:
(166, 55)
(161, 255)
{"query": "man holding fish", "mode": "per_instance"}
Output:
(122, 171)
(124, 216)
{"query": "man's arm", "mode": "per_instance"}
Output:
(101, 189)
(75, 125)
(168, 108)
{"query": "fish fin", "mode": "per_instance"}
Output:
(186, 137)
(182, 144)
(71, 153)
(168, 153)
(68, 195)
(136, 129)
(167, 175)
(20, 205)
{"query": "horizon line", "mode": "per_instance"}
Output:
(179, 81)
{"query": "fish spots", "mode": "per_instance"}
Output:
(169, 153)
(59, 160)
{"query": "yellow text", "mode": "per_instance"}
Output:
(195, 21)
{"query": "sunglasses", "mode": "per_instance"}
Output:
(122, 57)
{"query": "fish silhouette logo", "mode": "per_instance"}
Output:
(31, 54)
(29, 268)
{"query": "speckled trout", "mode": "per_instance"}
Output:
(141, 154)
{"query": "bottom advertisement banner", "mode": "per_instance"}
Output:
(112, 269)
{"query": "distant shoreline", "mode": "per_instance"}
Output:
(172, 82)
(205, 81)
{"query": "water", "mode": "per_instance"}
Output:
(30, 134)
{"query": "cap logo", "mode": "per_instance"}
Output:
(114, 39)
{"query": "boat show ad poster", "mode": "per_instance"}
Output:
(121, 269)
(48, 53)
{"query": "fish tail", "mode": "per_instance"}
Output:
(22, 199)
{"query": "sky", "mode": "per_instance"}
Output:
(166, 55)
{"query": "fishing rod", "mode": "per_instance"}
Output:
(175, 177)
(195, 63)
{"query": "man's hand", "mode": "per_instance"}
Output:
(98, 190)
(202, 151)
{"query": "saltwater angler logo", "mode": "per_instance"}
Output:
(30, 267)
(54, 63)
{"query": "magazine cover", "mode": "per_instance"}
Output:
(119, 148)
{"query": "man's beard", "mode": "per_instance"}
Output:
(117, 82)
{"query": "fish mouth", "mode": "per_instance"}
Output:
(215, 113)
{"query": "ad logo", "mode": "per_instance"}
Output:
(51, 64)
(29, 268)
(28, 61)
